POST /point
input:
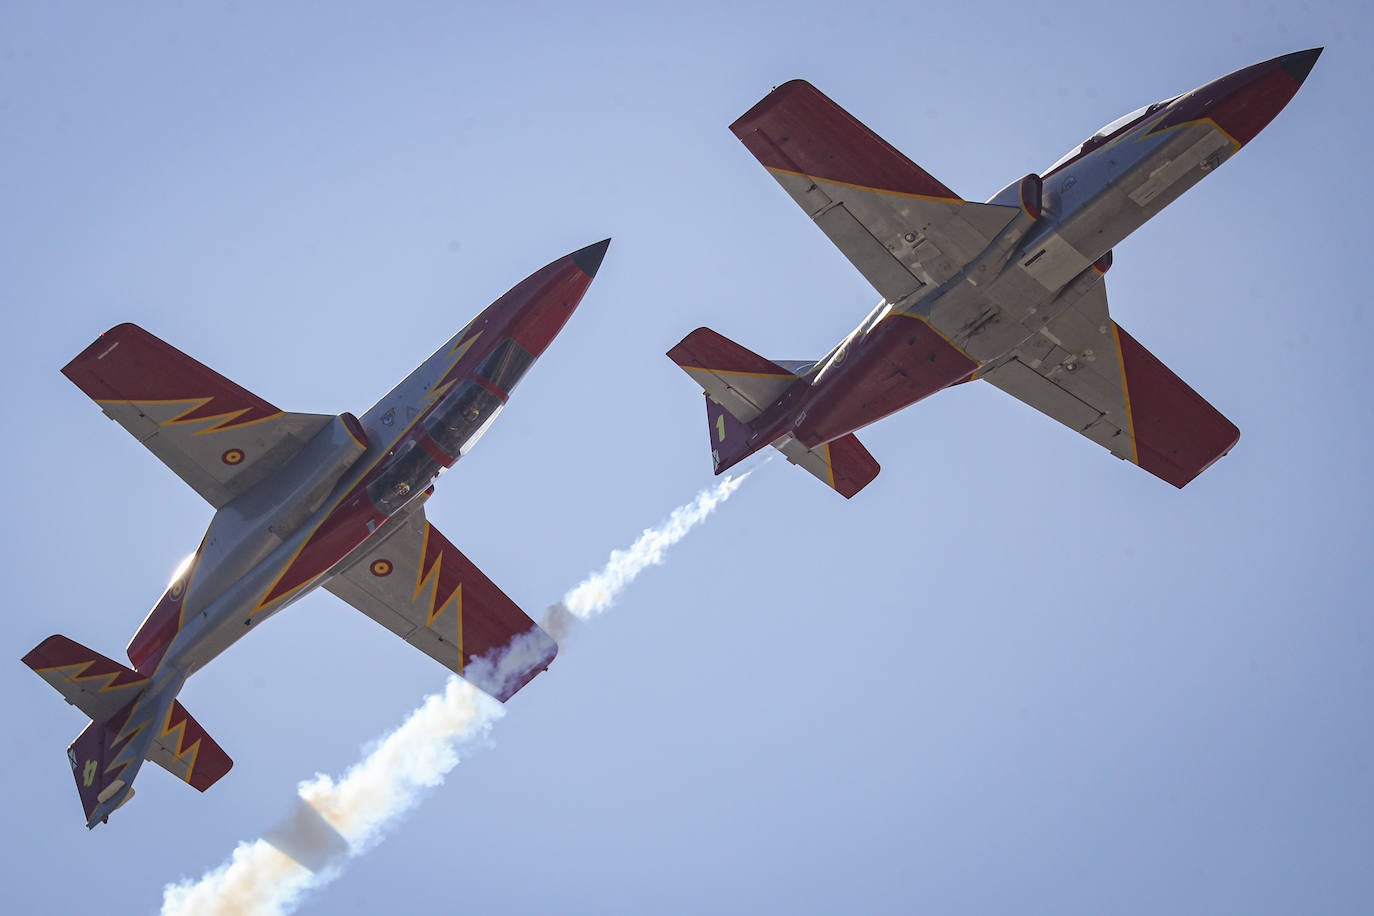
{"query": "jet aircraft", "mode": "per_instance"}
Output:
(303, 500)
(1010, 291)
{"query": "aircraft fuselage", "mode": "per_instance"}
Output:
(275, 543)
(303, 500)
(1047, 256)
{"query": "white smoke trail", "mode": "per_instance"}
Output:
(597, 593)
(343, 818)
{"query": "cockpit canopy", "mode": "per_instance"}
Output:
(504, 366)
(454, 425)
(1107, 132)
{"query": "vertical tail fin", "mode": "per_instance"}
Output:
(99, 774)
(731, 440)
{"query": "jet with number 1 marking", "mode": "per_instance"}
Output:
(302, 501)
(1010, 291)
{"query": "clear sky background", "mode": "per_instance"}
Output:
(1013, 675)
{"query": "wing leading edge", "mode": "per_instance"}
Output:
(422, 588)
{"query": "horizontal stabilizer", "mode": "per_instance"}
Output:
(844, 465)
(735, 377)
(184, 749)
(88, 680)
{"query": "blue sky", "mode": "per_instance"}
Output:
(1014, 674)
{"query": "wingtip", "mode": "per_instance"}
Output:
(776, 96)
(589, 259)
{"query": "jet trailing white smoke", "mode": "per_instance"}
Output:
(597, 593)
(338, 819)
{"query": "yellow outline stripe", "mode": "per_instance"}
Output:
(180, 750)
(78, 674)
(709, 371)
(1126, 394)
(816, 179)
(220, 422)
(462, 656)
(1235, 144)
(829, 468)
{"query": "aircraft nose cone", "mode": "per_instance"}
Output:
(1300, 63)
(536, 309)
(1242, 103)
(589, 259)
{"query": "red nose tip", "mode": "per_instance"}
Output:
(537, 308)
(1244, 102)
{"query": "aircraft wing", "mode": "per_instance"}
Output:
(904, 230)
(218, 437)
(422, 588)
(1085, 371)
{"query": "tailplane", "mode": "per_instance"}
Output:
(750, 403)
(133, 718)
(842, 464)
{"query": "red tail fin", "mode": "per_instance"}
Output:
(98, 779)
(731, 440)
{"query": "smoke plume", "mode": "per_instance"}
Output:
(335, 820)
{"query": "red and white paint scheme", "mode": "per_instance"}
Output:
(302, 501)
(1010, 291)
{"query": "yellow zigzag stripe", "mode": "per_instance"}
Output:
(179, 751)
(438, 603)
(78, 675)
